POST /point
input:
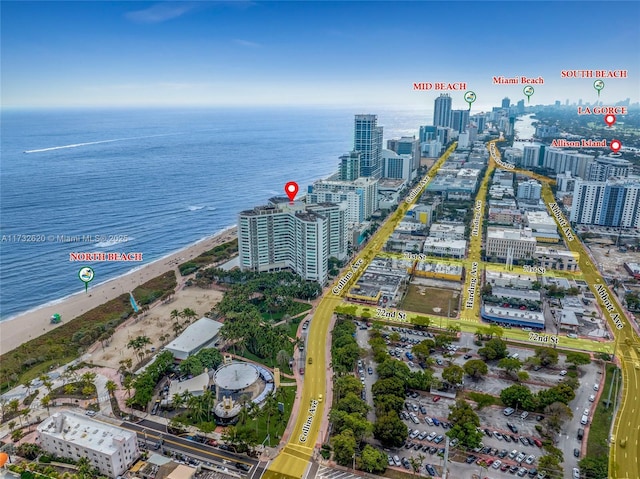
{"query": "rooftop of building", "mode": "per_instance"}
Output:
(569, 318)
(445, 242)
(544, 250)
(446, 227)
(201, 332)
(84, 431)
(516, 314)
(196, 384)
(510, 233)
(515, 293)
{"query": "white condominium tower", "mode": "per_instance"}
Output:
(360, 196)
(615, 202)
(292, 235)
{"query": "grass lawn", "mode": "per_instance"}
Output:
(295, 309)
(278, 422)
(597, 444)
(423, 299)
(267, 362)
(293, 327)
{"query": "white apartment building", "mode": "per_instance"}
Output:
(502, 242)
(447, 231)
(561, 160)
(615, 202)
(529, 190)
(395, 165)
(292, 235)
(444, 247)
(110, 449)
(604, 167)
(540, 221)
(562, 260)
(360, 196)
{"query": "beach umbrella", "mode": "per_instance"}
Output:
(4, 457)
(56, 318)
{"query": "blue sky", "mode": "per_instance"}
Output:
(309, 53)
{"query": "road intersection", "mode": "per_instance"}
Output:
(294, 458)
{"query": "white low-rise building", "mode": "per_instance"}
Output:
(444, 247)
(110, 449)
(197, 336)
(447, 231)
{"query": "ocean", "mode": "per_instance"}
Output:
(148, 180)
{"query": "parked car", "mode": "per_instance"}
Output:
(436, 398)
(576, 452)
(497, 464)
(430, 469)
(508, 411)
(513, 428)
(530, 459)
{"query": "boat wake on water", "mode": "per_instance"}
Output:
(76, 145)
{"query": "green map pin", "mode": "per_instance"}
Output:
(528, 91)
(86, 275)
(470, 97)
(598, 85)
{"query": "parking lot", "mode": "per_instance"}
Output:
(503, 454)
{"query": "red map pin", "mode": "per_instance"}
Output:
(610, 119)
(615, 146)
(291, 189)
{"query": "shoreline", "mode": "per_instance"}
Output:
(17, 330)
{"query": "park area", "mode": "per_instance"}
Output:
(428, 300)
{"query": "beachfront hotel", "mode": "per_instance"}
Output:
(284, 235)
(110, 449)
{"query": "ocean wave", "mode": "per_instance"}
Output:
(111, 242)
(195, 208)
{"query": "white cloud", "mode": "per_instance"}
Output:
(247, 43)
(160, 12)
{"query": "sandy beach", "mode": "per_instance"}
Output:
(32, 324)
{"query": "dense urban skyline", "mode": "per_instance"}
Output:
(307, 53)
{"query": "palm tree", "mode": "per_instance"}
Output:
(175, 315)
(128, 384)
(111, 386)
(177, 400)
(269, 408)
(84, 468)
(254, 412)
(88, 378)
(138, 345)
(125, 365)
(282, 358)
(189, 314)
(177, 328)
(196, 405)
(46, 402)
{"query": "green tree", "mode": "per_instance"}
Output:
(192, 365)
(46, 403)
(453, 374)
(390, 430)
(518, 396)
(510, 365)
(373, 460)
(560, 393)
(522, 376)
(392, 368)
(476, 368)
(387, 403)
(394, 386)
(352, 403)
(495, 348)
(465, 423)
(577, 358)
(416, 463)
(111, 386)
(550, 465)
(594, 467)
(548, 356)
(344, 447)
(344, 385)
(423, 349)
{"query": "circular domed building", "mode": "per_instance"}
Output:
(238, 383)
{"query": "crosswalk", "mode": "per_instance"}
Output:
(325, 472)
